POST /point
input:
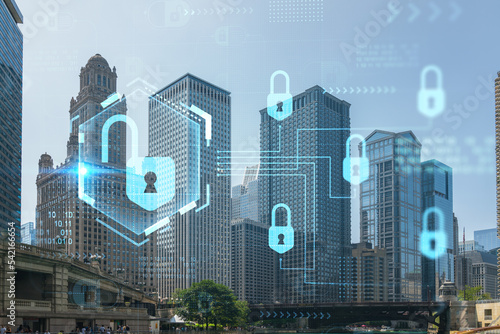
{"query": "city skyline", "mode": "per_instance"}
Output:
(468, 150)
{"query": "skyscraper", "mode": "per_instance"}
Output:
(437, 193)
(369, 267)
(28, 233)
(251, 261)
(488, 238)
(391, 208)
(497, 153)
(64, 217)
(303, 156)
(196, 244)
(245, 197)
(11, 84)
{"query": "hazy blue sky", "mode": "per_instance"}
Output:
(316, 42)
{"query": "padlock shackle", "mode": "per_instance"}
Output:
(425, 71)
(105, 135)
(287, 81)
(348, 145)
(425, 218)
(288, 214)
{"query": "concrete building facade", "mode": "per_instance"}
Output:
(64, 218)
(196, 244)
(251, 262)
(369, 273)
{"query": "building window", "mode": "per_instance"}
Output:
(98, 79)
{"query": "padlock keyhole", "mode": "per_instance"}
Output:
(280, 106)
(150, 179)
(433, 244)
(281, 238)
(431, 102)
(355, 170)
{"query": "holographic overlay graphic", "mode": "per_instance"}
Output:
(356, 169)
(431, 101)
(433, 243)
(129, 191)
(281, 238)
(279, 105)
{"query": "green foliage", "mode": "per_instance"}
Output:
(471, 293)
(209, 303)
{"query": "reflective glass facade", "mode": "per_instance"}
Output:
(301, 166)
(437, 191)
(391, 209)
(488, 238)
(11, 84)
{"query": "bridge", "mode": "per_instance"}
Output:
(325, 315)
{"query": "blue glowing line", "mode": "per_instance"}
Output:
(110, 100)
(71, 122)
(296, 168)
(157, 226)
(81, 185)
(305, 216)
(105, 135)
(208, 200)
(187, 207)
(278, 151)
(206, 116)
(121, 234)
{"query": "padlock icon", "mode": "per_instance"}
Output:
(280, 105)
(433, 243)
(150, 180)
(281, 238)
(355, 169)
(431, 101)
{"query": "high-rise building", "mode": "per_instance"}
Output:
(463, 271)
(391, 209)
(369, 273)
(488, 238)
(497, 154)
(484, 271)
(455, 235)
(11, 84)
(251, 262)
(303, 155)
(470, 245)
(64, 219)
(196, 244)
(437, 194)
(245, 197)
(28, 233)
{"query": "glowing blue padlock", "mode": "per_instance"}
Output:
(150, 180)
(356, 169)
(281, 238)
(433, 243)
(280, 105)
(431, 101)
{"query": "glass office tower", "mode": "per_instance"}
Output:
(391, 209)
(301, 167)
(437, 191)
(195, 245)
(11, 84)
(488, 238)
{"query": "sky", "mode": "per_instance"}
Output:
(369, 53)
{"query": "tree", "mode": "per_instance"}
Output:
(473, 293)
(207, 302)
